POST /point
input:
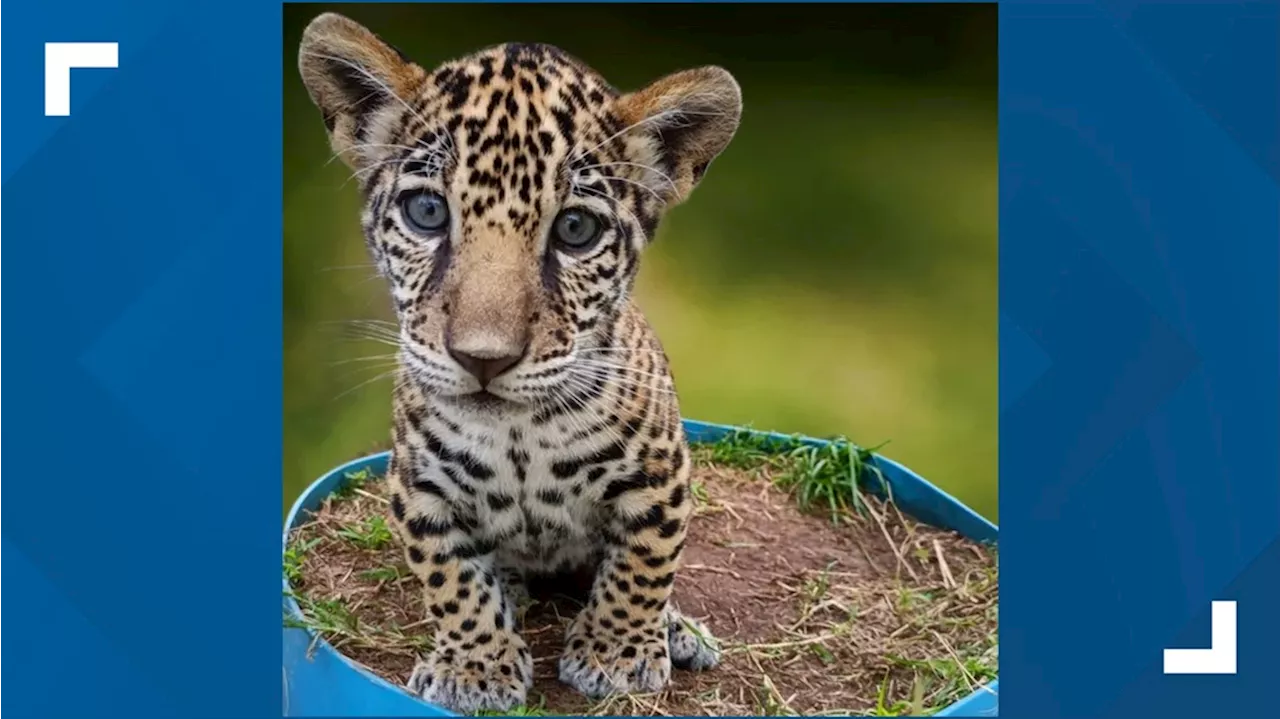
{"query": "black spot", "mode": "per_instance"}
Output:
(619, 614)
(553, 497)
(457, 85)
(468, 461)
(669, 528)
(439, 265)
(565, 469)
(663, 580)
(451, 607)
(426, 486)
(436, 579)
(397, 507)
(423, 526)
(416, 556)
(652, 518)
(677, 496)
(468, 625)
(628, 652)
(477, 548)
(630, 483)
(499, 502)
(550, 270)
(632, 427)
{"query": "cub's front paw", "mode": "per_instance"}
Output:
(598, 662)
(692, 645)
(493, 676)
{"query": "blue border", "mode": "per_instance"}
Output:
(320, 681)
(1139, 353)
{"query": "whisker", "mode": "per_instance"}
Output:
(641, 185)
(624, 369)
(652, 118)
(369, 358)
(581, 425)
(385, 88)
(631, 388)
(602, 165)
(614, 204)
(627, 376)
(377, 378)
(370, 145)
(361, 266)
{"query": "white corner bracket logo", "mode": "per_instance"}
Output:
(1219, 658)
(60, 58)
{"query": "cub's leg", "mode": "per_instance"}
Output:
(479, 662)
(620, 642)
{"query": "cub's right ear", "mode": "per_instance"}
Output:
(360, 84)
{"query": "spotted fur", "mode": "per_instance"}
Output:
(536, 427)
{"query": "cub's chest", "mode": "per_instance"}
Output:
(531, 504)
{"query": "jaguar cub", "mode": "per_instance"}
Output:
(507, 197)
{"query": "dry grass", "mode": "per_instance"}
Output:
(853, 611)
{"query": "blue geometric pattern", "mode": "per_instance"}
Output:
(1139, 250)
(142, 319)
(1140, 367)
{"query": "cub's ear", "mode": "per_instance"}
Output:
(359, 82)
(692, 116)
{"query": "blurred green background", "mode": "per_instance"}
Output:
(835, 273)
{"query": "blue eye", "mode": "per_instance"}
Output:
(576, 229)
(425, 213)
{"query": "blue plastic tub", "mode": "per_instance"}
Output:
(318, 681)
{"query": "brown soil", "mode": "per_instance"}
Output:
(877, 614)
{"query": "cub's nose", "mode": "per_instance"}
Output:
(485, 366)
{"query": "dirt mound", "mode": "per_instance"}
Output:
(873, 613)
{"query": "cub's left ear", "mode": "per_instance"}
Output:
(692, 116)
